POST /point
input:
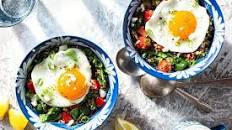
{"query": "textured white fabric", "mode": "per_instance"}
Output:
(101, 22)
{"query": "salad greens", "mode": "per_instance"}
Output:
(75, 113)
(178, 62)
(80, 113)
(101, 74)
(155, 54)
(53, 114)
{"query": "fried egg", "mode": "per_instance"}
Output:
(178, 25)
(63, 78)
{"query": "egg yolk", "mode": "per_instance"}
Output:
(182, 24)
(72, 84)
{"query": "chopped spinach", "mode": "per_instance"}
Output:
(53, 114)
(75, 113)
(85, 110)
(181, 66)
(97, 64)
(84, 119)
(41, 107)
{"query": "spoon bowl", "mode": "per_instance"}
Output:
(154, 87)
(126, 65)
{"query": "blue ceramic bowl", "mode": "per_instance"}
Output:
(98, 118)
(214, 11)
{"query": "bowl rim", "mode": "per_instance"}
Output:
(29, 11)
(178, 75)
(112, 93)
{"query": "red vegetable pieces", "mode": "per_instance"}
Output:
(164, 66)
(30, 86)
(66, 117)
(95, 84)
(100, 102)
(143, 43)
(141, 31)
(147, 14)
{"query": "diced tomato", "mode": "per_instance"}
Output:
(95, 84)
(147, 14)
(164, 66)
(141, 31)
(66, 117)
(190, 56)
(100, 102)
(142, 43)
(30, 86)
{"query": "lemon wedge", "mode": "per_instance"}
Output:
(17, 119)
(121, 124)
(4, 106)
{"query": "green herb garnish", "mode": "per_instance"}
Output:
(93, 106)
(48, 91)
(52, 66)
(71, 54)
(41, 107)
(39, 82)
(162, 55)
(196, 3)
(101, 77)
(181, 65)
(84, 119)
(52, 55)
(149, 32)
(52, 115)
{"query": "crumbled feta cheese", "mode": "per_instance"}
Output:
(165, 49)
(142, 7)
(34, 101)
(198, 52)
(70, 122)
(134, 19)
(102, 93)
(61, 121)
(132, 25)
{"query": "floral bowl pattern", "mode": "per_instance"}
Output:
(214, 11)
(99, 117)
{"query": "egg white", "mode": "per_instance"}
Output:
(45, 79)
(158, 29)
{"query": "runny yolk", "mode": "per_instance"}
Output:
(182, 24)
(72, 84)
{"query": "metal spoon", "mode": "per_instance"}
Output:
(153, 87)
(163, 87)
(126, 65)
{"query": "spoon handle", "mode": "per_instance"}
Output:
(225, 81)
(200, 105)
